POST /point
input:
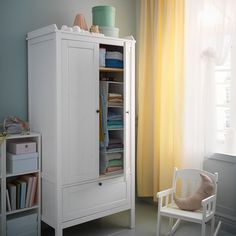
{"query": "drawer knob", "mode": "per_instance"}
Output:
(100, 184)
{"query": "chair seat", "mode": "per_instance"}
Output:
(174, 212)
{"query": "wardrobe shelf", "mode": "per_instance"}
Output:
(109, 69)
(114, 106)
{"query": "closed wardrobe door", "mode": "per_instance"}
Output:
(80, 111)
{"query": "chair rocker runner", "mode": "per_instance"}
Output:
(188, 182)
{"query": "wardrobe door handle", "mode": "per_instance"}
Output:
(97, 111)
(127, 112)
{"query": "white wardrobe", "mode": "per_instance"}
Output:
(66, 88)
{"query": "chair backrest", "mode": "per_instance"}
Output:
(190, 180)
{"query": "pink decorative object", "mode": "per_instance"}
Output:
(80, 21)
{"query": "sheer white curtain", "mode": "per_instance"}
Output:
(208, 26)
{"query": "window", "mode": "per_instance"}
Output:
(225, 106)
(223, 98)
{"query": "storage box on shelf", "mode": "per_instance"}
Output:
(20, 160)
(18, 163)
(24, 224)
(21, 147)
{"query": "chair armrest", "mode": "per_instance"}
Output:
(165, 192)
(208, 200)
(164, 198)
(208, 206)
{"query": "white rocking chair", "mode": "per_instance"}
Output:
(190, 179)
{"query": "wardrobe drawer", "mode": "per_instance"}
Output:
(87, 199)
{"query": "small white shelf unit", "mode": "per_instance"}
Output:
(22, 219)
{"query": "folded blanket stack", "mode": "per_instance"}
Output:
(114, 165)
(114, 120)
(115, 145)
(114, 59)
(115, 99)
(111, 163)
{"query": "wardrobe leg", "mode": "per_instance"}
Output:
(132, 218)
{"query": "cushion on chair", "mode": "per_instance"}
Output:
(193, 202)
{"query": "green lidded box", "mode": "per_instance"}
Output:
(104, 16)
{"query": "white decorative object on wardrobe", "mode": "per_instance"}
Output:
(64, 74)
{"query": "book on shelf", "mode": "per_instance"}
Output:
(33, 191)
(23, 186)
(18, 190)
(12, 195)
(29, 180)
(8, 201)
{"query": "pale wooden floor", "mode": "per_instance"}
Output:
(117, 225)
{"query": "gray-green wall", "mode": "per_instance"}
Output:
(17, 17)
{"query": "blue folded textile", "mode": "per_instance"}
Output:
(114, 63)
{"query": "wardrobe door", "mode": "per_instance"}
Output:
(80, 111)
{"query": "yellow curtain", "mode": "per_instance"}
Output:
(160, 94)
